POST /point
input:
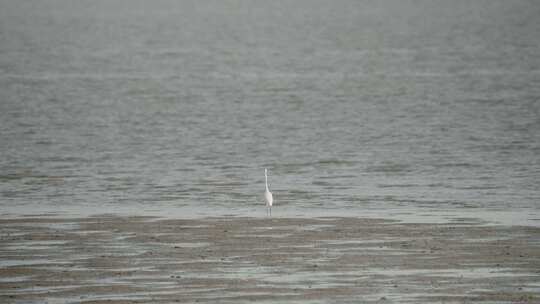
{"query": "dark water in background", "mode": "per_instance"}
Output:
(354, 106)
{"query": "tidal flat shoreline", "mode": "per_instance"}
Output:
(113, 259)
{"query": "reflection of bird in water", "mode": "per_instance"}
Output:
(268, 195)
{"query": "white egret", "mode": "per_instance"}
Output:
(268, 195)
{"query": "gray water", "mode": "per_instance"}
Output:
(355, 107)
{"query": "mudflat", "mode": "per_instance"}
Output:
(112, 259)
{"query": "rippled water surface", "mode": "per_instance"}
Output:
(354, 106)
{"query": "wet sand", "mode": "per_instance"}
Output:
(109, 259)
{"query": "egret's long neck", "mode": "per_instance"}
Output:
(266, 180)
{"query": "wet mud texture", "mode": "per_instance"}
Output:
(110, 259)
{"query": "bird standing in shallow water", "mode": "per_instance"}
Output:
(268, 195)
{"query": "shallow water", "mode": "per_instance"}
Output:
(356, 107)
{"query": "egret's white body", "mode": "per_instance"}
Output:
(268, 195)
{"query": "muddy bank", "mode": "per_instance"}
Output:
(232, 260)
